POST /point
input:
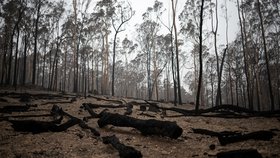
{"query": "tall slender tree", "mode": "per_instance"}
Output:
(266, 55)
(174, 5)
(200, 57)
(121, 16)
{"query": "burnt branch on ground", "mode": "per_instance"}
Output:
(124, 150)
(95, 106)
(227, 137)
(99, 98)
(247, 153)
(15, 108)
(224, 111)
(36, 126)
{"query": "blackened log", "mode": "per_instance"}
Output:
(14, 108)
(103, 106)
(124, 150)
(146, 127)
(3, 100)
(227, 137)
(57, 102)
(213, 133)
(107, 99)
(248, 153)
(225, 111)
(259, 135)
(42, 126)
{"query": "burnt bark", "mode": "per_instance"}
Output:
(35, 41)
(146, 127)
(124, 150)
(247, 153)
(200, 58)
(35, 126)
(228, 137)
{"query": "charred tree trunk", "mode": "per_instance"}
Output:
(24, 59)
(242, 31)
(173, 71)
(177, 53)
(16, 56)
(266, 57)
(35, 42)
(200, 57)
(44, 64)
(8, 79)
(5, 50)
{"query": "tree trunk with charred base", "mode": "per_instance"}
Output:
(177, 53)
(16, 60)
(266, 57)
(114, 58)
(200, 57)
(24, 59)
(146, 127)
(42, 126)
(245, 56)
(35, 42)
(173, 71)
(219, 96)
(124, 150)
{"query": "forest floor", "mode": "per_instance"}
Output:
(78, 142)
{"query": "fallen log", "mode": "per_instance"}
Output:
(15, 108)
(106, 99)
(36, 127)
(227, 137)
(93, 106)
(224, 111)
(248, 153)
(41, 126)
(124, 150)
(3, 100)
(259, 135)
(146, 127)
(58, 102)
(213, 133)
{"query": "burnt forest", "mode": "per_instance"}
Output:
(140, 78)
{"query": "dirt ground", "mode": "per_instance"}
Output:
(78, 142)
